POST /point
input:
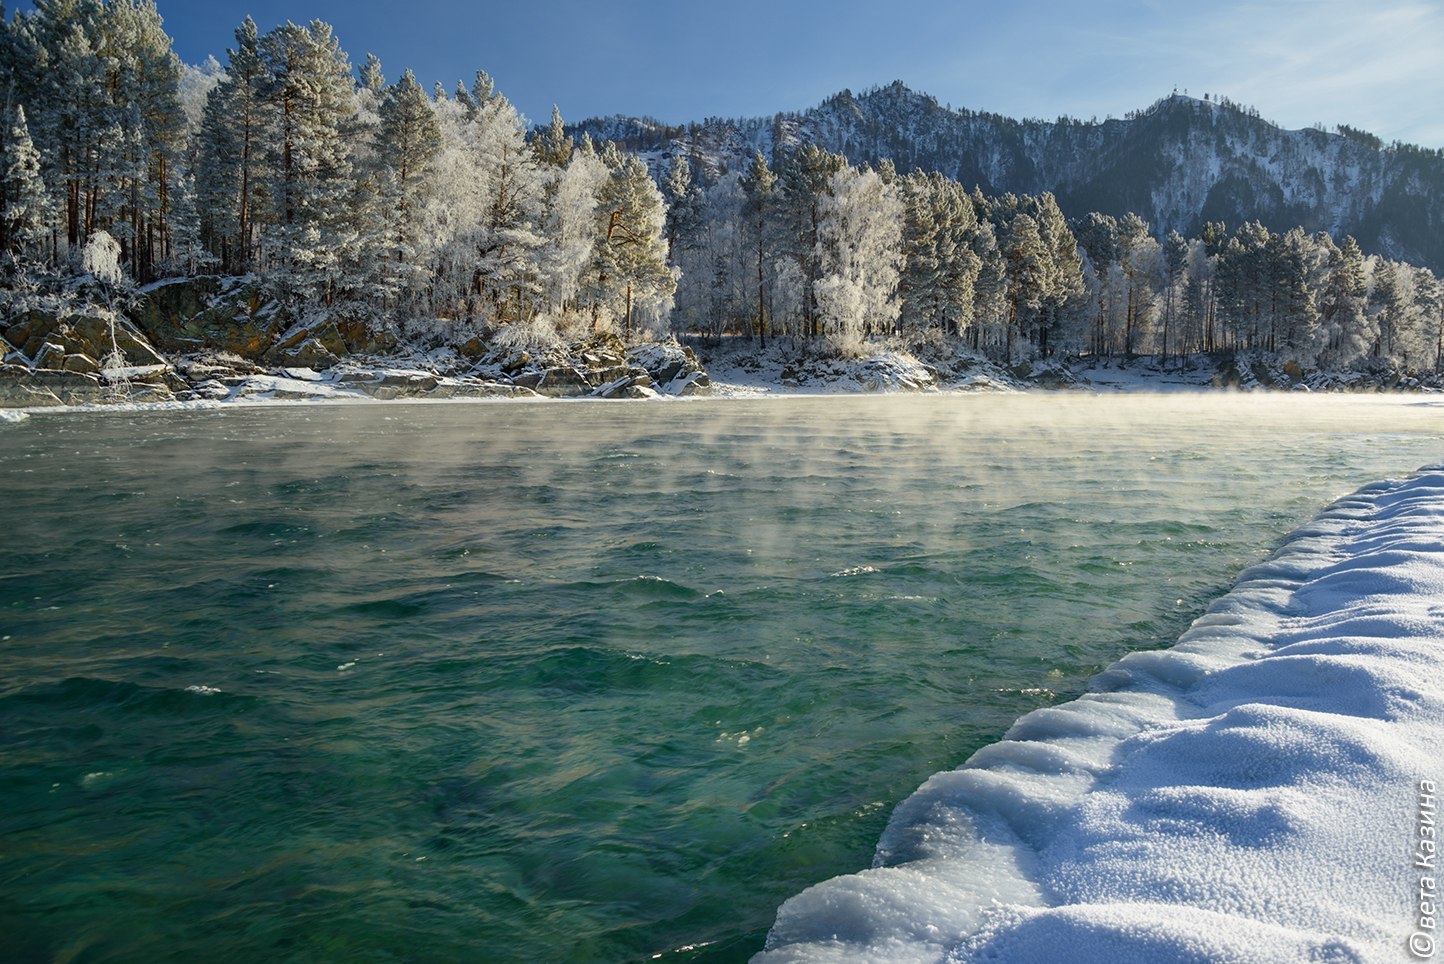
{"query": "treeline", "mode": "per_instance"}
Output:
(340, 191)
(821, 247)
(441, 215)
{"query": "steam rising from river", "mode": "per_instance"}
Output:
(576, 680)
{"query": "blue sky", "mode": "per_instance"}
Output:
(1297, 61)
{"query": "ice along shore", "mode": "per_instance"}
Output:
(1265, 790)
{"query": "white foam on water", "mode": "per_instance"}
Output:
(1254, 793)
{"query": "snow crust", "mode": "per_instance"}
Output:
(1252, 794)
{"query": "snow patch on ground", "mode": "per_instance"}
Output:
(1252, 794)
(12, 416)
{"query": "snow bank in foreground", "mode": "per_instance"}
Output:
(1261, 792)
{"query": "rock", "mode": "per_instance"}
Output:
(563, 382)
(80, 363)
(670, 366)
(31, 331)
(211, 389)
(51, 356)
(168, 303)
(614, 389)
(91, 335)
(210, 313)
(314, 344)
(691, 385)
(358, 337)
(20, 389)
(528, 380)
(310, 353)
(473, 349)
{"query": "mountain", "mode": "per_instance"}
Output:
(1178, 163)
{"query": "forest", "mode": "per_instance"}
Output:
(443, 216)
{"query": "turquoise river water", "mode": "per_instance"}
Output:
(574, 681)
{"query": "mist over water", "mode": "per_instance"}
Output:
(574, 681)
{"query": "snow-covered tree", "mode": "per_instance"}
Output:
(235, 128)
(631, 258)
(859, 254)
(309, 88)
(759, 188)
(408, 139)
(24, 203)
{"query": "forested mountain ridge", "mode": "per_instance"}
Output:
(1179, 164)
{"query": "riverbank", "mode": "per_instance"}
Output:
(1264, 790)
(220, 340)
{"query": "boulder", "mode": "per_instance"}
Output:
(314, 344)
(564, 381)
(671, 366)
(80, 363)
(50, 356)
(91, 335)
(688, 386)
(360, 338)
(310, 353)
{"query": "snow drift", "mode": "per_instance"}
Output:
(1263, 791)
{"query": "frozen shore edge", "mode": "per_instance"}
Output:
(1262, 791)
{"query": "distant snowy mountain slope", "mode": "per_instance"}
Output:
(1179, 163)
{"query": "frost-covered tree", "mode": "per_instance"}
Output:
(309, 88)
(24, 203)
(859, 254)
(569, 228)
(759, 189)
(804, 178)
(552, 145)
(235, 129)
(408, 140)
(631, 259)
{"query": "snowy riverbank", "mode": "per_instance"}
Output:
(1263, 791)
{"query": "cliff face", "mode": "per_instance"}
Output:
(1179, 163)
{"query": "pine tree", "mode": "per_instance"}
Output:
(1175, 259)
(234, 131)
(1027, 260)
(23, 199)
(631, 264)
(309, 89)
(552, 145)
(759, 186)
(803, 180)
(408, 140)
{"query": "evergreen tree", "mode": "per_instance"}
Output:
(23, 199)
(1027, 264)
(309, 88)
(631, 260)
(803, 182)
(552, 145)
(408, 140)
(1175, 261)
(759, 185)
(234, 131)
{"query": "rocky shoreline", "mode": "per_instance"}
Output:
(216, 339)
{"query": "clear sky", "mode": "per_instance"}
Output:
(1373, 64)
